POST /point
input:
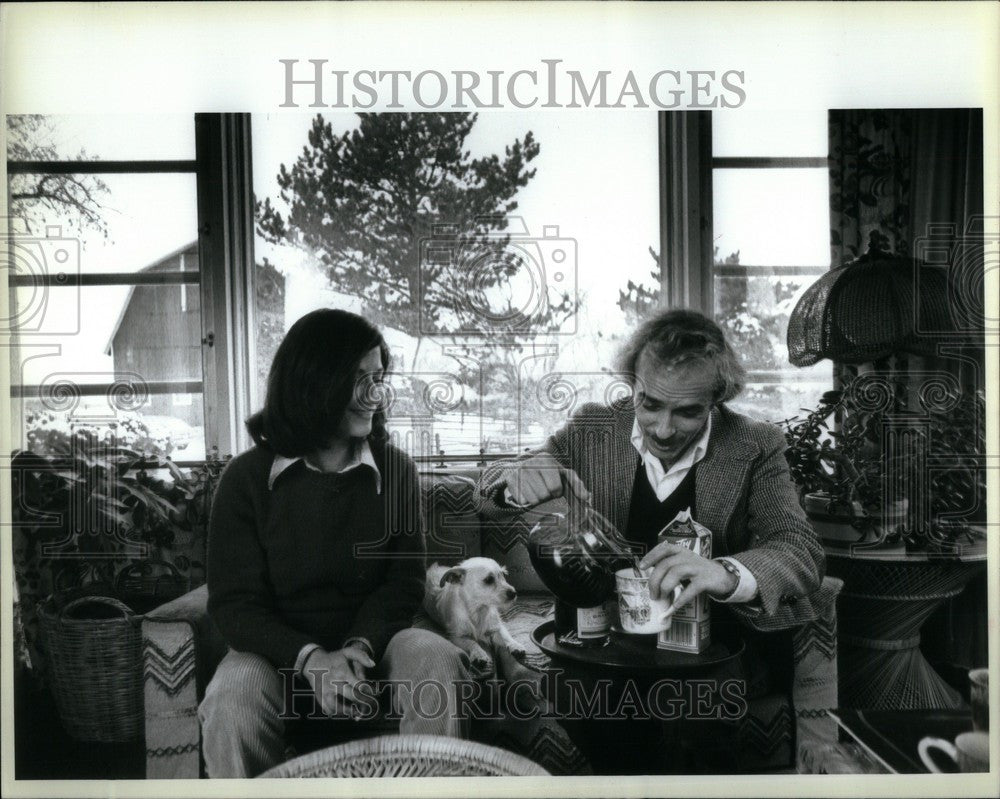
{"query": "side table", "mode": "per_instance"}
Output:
(626, 705)
(884, 603)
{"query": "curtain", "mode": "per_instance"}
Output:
(871, 175)
(911, 182)
(904, 176)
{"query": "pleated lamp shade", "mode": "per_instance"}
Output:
(869, 309)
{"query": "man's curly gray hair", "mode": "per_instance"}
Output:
(682, 335)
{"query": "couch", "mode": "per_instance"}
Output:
(784, 727)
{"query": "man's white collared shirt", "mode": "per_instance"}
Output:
(665, 481)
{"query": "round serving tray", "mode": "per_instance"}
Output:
(638, 653)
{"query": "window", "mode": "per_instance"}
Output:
(746, 231)
(493, 346)
(109, 313)
(191, 249)
(770, 201)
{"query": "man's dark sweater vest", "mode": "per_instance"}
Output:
(647, 515)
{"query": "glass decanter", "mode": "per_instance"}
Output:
(576, 555)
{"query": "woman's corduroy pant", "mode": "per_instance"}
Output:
(242, 714)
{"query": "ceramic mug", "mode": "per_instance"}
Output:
(970, 752)
(637, 612)
(979, 698)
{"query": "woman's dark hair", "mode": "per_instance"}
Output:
(312, 381)
(681, 335)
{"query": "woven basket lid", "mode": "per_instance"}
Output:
(871, 308)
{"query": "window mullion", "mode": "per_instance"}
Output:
(686, 252)
(225, 224)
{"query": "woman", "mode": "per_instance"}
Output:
(315, 555)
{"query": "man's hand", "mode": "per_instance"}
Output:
(675, 565)
(333, 677)
(541, 478)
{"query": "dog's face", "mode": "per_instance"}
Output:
(482, 581)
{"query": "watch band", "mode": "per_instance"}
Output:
(730, 567)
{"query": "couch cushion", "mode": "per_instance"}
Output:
(452, 524)
(455, 531)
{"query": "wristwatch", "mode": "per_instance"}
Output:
(730, 567)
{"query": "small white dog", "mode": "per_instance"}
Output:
(466, 601)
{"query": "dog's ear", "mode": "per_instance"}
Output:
(453, 575)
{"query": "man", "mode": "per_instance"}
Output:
(675, 445)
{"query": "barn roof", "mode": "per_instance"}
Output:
(158, 265)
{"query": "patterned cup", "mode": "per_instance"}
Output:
(637, 612)
(979, 698)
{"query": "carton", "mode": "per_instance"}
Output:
(691, 626)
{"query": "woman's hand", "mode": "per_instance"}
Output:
(675, 565)
(334, 676)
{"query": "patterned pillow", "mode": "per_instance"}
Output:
(453, 529)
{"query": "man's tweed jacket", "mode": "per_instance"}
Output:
(745, 496)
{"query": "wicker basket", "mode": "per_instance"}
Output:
(94, 669)
(408, 756)
(149, 583)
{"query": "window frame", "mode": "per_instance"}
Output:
(687, 168)
(226, 252)
(226, 277)
(224, 199)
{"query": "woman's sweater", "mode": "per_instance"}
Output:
(317, 558)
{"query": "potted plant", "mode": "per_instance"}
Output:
(905, 474)
(860, 489)
(106, 527)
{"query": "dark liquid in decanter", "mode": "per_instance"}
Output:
(579, 569)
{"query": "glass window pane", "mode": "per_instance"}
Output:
(777, 401)
(124, 357)
(781, 133)
(159, 424)
(773, 217)
(150, 331)
(767, 218)
(582, 228)
(105, 137)
(109, 223)
(754, 312)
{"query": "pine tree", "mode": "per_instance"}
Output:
(361, 203)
